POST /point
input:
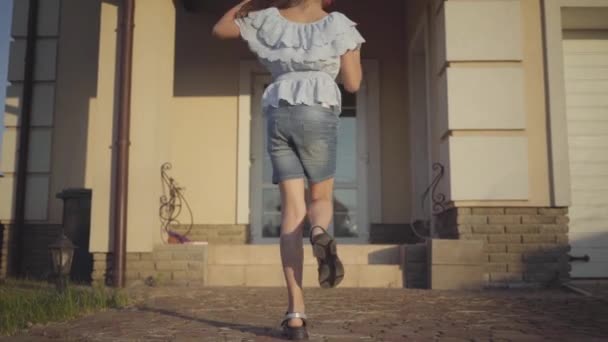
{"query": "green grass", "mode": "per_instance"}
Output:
(25, 302)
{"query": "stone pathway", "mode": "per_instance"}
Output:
(253, 314)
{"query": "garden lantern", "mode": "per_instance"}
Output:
(62, 252)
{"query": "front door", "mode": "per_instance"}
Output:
(350, 194)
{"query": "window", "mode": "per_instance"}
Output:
(6, 11)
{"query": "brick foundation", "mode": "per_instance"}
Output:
(415, 263)
(216, 233)
(521, 245)
(172, 264)
(36, 262)
(102, 263)
(5, 238)
(167, 264)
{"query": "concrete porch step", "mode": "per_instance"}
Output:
(270, 254)
(260, 265)
(378, 276)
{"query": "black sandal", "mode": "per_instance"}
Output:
(331, 270)
(294, 333)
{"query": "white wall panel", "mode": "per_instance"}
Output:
(483, 30)
(489, 168)
(486, 98)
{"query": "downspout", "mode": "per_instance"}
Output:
(24, 134)
(121, 185)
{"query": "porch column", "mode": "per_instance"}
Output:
(151, 109)
(152, 93)
(102, 114)
(491, 126)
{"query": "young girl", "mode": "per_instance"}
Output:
(304, 48)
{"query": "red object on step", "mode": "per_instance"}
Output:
(176, 238)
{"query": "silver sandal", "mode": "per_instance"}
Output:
(294, 333)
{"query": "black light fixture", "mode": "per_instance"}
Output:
(62, 254)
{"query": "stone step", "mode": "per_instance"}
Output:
(374, 266)
(271, 275)
(270, 255)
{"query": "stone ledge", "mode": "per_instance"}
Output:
(216, 233)
(455, 252)
(166, 265)
(456, 277)
(456, 264)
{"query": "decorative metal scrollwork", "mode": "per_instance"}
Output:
(439, 200)
(171, 204)
(439, 203)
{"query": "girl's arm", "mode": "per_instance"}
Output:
(226, 28)
(350, 70)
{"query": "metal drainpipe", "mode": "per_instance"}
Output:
(119, 221)
(24, 134)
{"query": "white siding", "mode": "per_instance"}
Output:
(586, 75)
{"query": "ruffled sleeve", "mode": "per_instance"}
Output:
(273, 37)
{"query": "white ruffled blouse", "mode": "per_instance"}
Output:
(303, 58)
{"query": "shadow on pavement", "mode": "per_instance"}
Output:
(257, 330)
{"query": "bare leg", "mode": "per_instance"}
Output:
(321, 208)
(293, 210)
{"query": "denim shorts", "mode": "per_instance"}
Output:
(302, 142)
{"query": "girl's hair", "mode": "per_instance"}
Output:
(256, 5)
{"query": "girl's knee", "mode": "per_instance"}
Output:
(321, 197)
(294, 212)
(322, 191)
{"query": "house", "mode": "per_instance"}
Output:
(487, 121)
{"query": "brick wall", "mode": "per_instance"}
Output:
(216, 233)
(414, 260)
(4, 250)
(101, 268)
(36, 259)
(521, 245)
(167, 264)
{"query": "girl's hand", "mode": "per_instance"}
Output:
(226, 28)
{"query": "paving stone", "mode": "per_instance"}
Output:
(342, 314)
